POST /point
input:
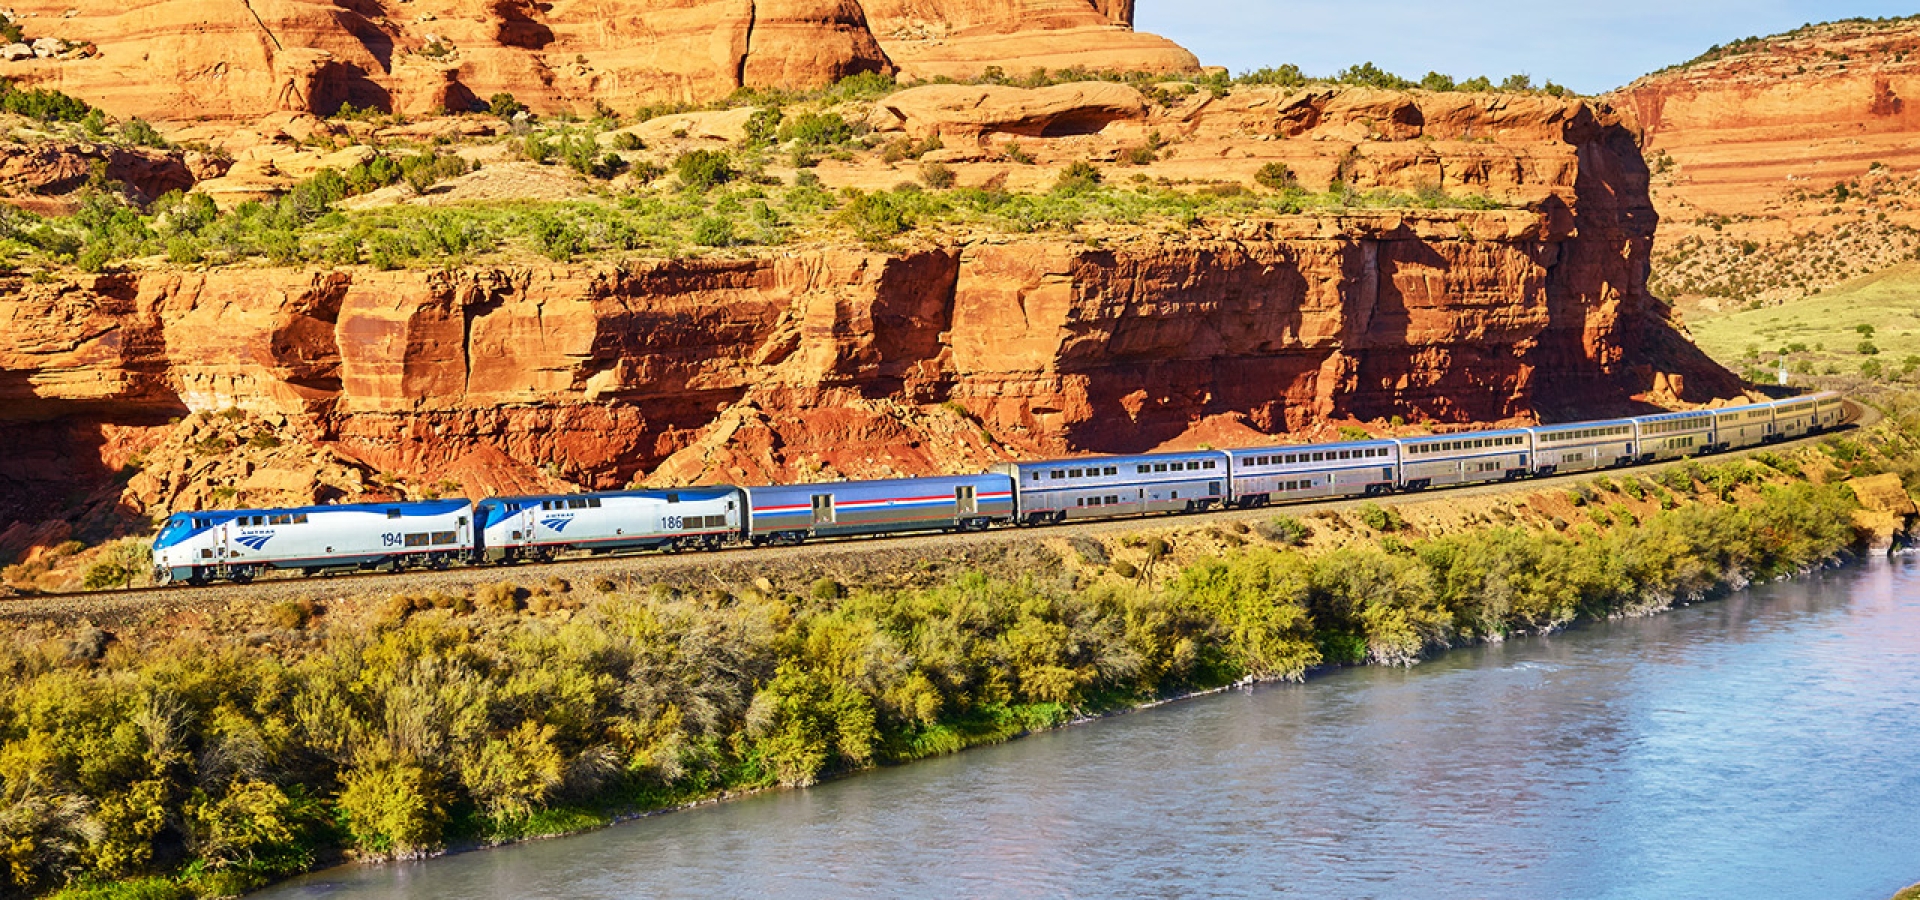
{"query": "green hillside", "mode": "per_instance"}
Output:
(1823, 333)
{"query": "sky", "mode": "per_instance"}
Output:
(1591, 47)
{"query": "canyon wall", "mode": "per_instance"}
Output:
(180, 60)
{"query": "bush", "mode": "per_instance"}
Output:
(504, 106)
(937, 176)
(714, 231)
(1276, 176)
(1090, 551)
(1378, 518)
(1077, 178)
(40, 103)
(816, 130)
(878, 216)
(1286, 531)
(703, 170)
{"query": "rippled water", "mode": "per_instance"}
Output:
(1767, 746)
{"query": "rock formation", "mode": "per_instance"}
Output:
(178, 60)
(1749, 142)
(945, 355)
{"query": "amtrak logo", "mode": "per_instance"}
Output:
(253, 541)
(556, 524)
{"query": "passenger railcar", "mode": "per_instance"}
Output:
(235, 545)
(539, 526)
(1742, 426)
(1467, 458)
(789, 514)
(1302, 471)
(1797, 416)
(1581, 446)
(1674, 435)
(1829, 410)
(1104, 487)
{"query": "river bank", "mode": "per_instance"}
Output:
(204, 757)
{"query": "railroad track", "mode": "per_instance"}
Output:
(736, 565)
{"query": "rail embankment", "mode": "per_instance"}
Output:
(201, 748)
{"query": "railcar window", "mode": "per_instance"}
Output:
(1113, 470)
(418, 540)
(593, 502)
(1144, 469)
(1059, 474)
(1293, 459)
(673, 498)
(1320, 457)
(1075, 473)
(443, 537)
(1159, 467)
(1209, 464)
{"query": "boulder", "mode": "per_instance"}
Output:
(16, 52)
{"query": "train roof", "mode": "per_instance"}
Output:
(1464, 435)
(877, 483)
(1669, 417)
(1296, 448)
(1581, 424)
(406, 507)
(705, 492)
(1120, 459)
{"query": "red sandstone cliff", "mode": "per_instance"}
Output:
(176, 60)
(1749, 142)
(944, 356)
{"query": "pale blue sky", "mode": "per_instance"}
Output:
(1591, 47)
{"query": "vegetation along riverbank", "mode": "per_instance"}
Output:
(181, 758)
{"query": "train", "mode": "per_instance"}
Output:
(237, 545)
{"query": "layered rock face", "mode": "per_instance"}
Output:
(945, 356)
(1808, 108)
(1749, 143)
(175, 60)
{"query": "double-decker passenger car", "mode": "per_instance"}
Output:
(1101, 487)
(538, 527)
(1467, 458)
(1674, 435)
(1264, 475)
(1829, 410)
(197, 547)
(1742, 426)
(1580, 446)
(789, 514)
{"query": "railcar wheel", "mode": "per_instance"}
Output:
(241, 575)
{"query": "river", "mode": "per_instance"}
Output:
(1767, 745)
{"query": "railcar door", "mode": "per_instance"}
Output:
(822, 509)
(963, 500)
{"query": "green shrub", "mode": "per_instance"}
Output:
(1276, 176)
(504, 106)
(703, 170)
(714, 231)
(1078, 177)
(1379, 518)
(816, 130)
(41, 103)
